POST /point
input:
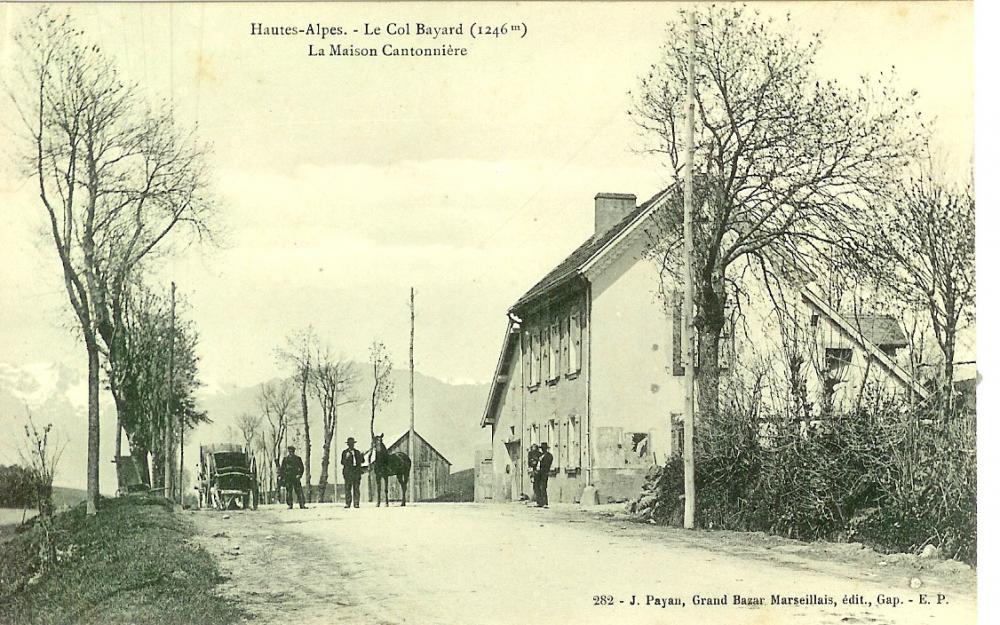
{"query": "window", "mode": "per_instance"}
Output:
(553, 352)
(575, 358)
(837, 361)
(676, 433)
(552, 436)
(636, 448)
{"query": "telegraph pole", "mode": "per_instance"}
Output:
(168, 447)
(412, 442)
(180, 469)
(689, 488)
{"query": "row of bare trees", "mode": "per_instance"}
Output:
(119, 181)
(331, 382)
(799, 177)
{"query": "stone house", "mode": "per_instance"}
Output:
(591, 362)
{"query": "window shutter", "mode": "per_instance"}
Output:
(576, 450)
(536, 360)
(554, 350)
(564, 341)
(564, 428)
(547, 353)
(557, 431)
(527, 354)
(575, 340)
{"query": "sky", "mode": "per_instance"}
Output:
(344, 182)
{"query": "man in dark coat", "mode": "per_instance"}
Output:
(542, 477)
(351, 459)
(533, 455)
(291, 474)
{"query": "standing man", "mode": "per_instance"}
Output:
(533, 455)
(351, 459)
(291, 472)
(542, 477)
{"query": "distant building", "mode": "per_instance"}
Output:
(591, 360)
(429, 472)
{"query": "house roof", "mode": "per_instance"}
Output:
(871, 331)
(810, 296)
(882, 330)
(403, 436)
(573, 264)
(502, 373)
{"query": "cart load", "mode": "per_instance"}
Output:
(227, 477)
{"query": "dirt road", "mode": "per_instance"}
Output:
(509, 564)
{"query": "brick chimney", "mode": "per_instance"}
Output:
(609, 209)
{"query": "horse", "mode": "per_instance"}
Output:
(384, 464)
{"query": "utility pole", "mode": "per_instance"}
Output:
(412, 442)
(689, 489)
(168, 444)
(180, 468)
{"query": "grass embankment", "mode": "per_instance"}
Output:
(131, 563)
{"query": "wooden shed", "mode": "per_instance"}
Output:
(429, 473)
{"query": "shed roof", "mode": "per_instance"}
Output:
(882, 330)
(403, 436)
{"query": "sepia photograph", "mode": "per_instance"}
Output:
(499, 313)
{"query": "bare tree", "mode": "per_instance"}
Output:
(276, 400)
(333, 384)
(299, 352)
(926, 251)
(248, 425)
(115, 178)
(786, 163)
(382, 384)
(41, 457)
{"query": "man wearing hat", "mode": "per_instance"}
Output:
(542, 477)
(351, 459)
(291, 472)
(534, 453)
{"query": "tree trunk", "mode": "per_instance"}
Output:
(709, 321)
(308, 441)
(93, 421)
(949, 368)
(708, 374)
(374, 391)
(140, 456)
(324, 471)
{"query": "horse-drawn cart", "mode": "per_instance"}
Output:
(227, 477)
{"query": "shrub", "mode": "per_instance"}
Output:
(893, 478)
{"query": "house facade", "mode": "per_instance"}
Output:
(591, 361)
